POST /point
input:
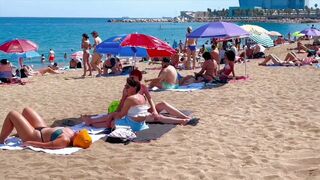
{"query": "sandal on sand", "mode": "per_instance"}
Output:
(193, 121)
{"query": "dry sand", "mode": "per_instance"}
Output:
(264, 128)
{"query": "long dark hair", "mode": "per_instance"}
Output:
(131, 82)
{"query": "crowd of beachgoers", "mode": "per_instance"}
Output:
(136, 104)
(133, 80)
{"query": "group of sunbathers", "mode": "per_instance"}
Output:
(169, 78)
(292, 58)
(135, 109)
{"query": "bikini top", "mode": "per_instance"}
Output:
(56, 134)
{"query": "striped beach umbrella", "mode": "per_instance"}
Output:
(262, 39)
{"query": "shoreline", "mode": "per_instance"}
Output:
(263, 128)
(239, 19)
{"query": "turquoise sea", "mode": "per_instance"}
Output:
(64, 34)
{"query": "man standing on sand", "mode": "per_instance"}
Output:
(96, 58)
(167, 78)
(51, 56)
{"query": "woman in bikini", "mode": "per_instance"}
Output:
(33, 131)
(223, 74)
(190, 47)
(86, 46)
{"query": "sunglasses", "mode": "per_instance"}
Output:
(127, 86)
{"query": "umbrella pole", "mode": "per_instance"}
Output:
(245, 67)
(134, 61)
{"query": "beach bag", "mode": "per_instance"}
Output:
(122, 134)
(113, 106)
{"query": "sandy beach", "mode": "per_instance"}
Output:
(264, 128)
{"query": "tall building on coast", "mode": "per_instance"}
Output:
(273, 4)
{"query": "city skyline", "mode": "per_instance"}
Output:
(110, 8)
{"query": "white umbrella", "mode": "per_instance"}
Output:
(274, 33)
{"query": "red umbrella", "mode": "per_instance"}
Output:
(154, 46)
(18, 46)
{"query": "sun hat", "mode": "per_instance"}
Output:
(82, 139)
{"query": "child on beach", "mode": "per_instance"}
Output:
(51, 56)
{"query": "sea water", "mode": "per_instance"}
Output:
(64, 35)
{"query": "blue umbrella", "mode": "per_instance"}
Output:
(112, 46)
(218, 30)
(26, 55)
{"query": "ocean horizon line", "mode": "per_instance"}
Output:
(124, 17)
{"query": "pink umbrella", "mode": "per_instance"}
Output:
(77, 55)
(18, 46)
(153, 45)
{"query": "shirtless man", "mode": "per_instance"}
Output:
(96, 58)
(190, 47)
(215, 54)
(167, 78)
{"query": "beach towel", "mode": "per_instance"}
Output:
(238, 79)
(191, 87)
(187, 88)
(14, 143)
(157, 130)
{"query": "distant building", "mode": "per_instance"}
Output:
(273, 4)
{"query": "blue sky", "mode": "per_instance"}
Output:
(108, 8)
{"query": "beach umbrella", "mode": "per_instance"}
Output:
(136, 45)
(254, 29)
(150, 43)
(112, 46)
(262, 39)
(311, 32)
(18, 46)
(274, 33)
(218, 30)
(297, 34)
(77, 55)
(26, 55)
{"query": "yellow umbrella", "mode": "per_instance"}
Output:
(254, 29)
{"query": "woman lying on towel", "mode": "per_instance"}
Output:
(135, 109)
(290, 60)
(33, 131)
(54, 69)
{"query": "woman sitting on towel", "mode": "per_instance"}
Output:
(223, 74)
(138, 108)
(33, 131)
